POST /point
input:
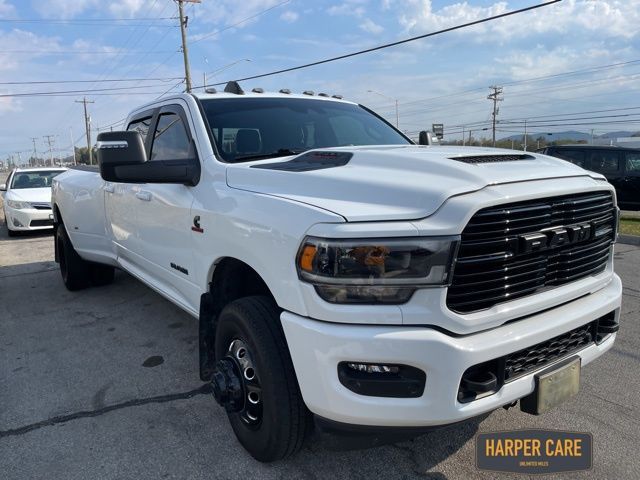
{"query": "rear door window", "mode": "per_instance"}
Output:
(141, 126)
(605, 161)
(633, 163)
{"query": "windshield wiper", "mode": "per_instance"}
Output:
(282, 152)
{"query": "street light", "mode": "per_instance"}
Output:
(223, 68)
(389, 98)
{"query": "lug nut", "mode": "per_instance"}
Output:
(253, 397)
(249, 373)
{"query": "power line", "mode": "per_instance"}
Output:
(393, 44)
(42, 82)
(45, 94)
(106, 19)
(526, 80)
(77, 52)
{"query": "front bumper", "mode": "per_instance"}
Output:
(317, 347)
(28, 219)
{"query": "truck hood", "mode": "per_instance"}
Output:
(394, 182)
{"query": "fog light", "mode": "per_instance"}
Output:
(382, 380)
(16, 223)
(372, 368)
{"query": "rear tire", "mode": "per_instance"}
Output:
(74, 270)
(285, 420)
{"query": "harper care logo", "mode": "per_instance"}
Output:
(534, 452)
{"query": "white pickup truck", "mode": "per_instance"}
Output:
(342, 275)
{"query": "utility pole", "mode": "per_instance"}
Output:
(73, 146)
(35, 152)
(87, 125)
(49, 137)
(183, 31)
(463, 137)
(495, 97)
(525, 135)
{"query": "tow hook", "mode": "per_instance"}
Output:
(227, 385)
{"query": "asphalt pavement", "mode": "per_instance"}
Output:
(103, 384)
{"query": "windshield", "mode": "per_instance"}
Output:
(254, 128)
(39, 179)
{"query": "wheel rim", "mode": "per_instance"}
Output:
(236, 384)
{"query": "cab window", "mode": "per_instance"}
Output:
(170, 140)
(578, 157)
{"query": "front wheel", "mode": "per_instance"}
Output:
(255, 381)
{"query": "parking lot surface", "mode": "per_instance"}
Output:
(103, 384)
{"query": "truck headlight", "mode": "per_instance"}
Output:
(18, 205)
(385, 270)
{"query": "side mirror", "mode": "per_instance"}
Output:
(123, 158)
(428, 138)
(117, 149)
(3, 187)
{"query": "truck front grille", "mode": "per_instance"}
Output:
(497, 263)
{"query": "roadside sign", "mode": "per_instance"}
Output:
(438, 129)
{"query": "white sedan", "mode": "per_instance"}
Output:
(27, 199)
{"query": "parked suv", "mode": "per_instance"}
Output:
(621, 166)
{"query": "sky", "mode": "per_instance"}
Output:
(557, 64)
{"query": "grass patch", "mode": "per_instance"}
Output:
(630, 226)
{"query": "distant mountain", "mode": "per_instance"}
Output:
(568, 135)
(619, 134)
(572, 135)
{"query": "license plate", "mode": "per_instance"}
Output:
(554, 386)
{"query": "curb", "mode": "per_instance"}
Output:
(629, 239)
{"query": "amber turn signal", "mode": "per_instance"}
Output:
(307, 256)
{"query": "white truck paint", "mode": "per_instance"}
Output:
(261, 217)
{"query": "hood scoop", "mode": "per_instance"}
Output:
(310, 161)
(492, 158)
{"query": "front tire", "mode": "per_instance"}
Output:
(278, 427)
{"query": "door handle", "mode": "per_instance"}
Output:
(109, 187)
(145, 196)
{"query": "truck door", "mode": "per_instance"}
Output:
(630, 194)
(163, 213)
(121, 203)
(609, 163)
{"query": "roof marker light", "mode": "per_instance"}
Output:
(323, 95)
(210, 90)
(234, 87)
(257, 90)
(339, 97)
(308, 92)
(286, 91)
